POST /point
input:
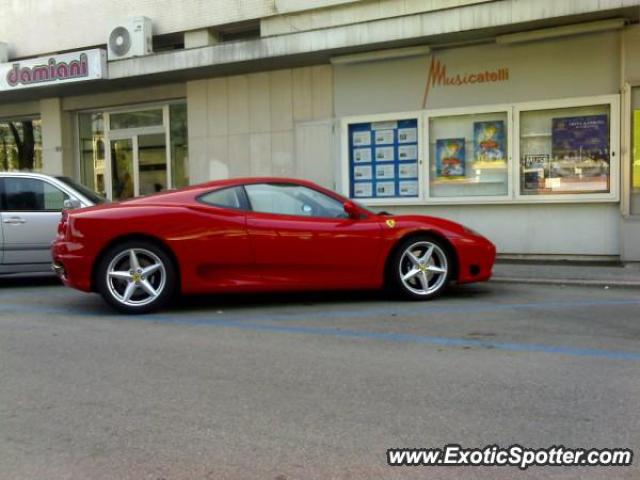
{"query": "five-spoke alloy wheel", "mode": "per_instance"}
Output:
(136, 277)
(421, 268)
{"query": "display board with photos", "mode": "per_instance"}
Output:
(468, 155)
(383, 159)
(565, 151)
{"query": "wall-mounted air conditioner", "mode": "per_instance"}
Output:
(131, 38)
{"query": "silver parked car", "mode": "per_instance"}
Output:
(30, 206)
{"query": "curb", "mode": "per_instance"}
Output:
(569, 281)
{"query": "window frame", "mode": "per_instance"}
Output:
(290, 215)
(345, 179)
(245, 204)
(3, 194)
(479, 110)
(614, 150)
(626, 157)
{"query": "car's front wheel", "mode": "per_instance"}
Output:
(136, 277)
(421, 268)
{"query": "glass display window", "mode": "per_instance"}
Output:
(565, 150)
(469, 154)
(551, 151)
(634, 204)
(383, 155)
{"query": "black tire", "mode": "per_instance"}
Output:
(402, 264)
(163, 281)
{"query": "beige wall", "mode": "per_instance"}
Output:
(267, 123)
(577, 66)
(345, 13)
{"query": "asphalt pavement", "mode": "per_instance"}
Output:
(314, 386)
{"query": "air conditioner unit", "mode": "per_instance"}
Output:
(131, 38)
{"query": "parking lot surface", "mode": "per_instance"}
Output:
(313, 386)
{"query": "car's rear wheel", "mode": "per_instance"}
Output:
(136, 277)
(421, 268)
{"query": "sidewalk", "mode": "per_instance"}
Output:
(623, 275)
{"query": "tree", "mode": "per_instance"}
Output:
(25, 145)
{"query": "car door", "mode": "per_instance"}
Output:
(29, 213)
(302, 238)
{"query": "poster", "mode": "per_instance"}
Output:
(385, 189)
(407, 135)
(363, 189)
(409, 188)
(385, 171)
(362, 172)
(385, 154)
(408, 152)
(408, 170)
(383, 137)
(580, 139)
(450, 157)
(535, 169)
(488, 142)
(361, 155)
(361, 138)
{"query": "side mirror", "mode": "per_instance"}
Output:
(351, 210)
(71, 204)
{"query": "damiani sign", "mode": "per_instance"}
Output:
(438, 76)
(47, 71)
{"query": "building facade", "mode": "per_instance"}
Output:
(518, 118)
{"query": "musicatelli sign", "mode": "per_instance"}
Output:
(439, 77)
(55, 69)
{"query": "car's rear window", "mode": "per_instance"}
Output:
(86, 192)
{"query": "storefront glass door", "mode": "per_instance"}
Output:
(138, 165)
(122, 169)
(132, 152)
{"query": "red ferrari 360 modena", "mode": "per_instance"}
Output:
(258, 234)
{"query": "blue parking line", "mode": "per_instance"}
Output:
(407, 338)
(244, 322)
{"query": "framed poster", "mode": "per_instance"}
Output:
(383, 159)
(450, 157)
(580, 139)
(488, 144)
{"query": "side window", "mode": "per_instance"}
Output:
(289, 199)
(226, 198)
(31, 195)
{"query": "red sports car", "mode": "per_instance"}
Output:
(258, 234)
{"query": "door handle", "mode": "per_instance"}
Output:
(14, 221)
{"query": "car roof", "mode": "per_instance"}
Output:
(26, 174)
(249, 180)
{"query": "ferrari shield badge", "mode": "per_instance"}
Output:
(391, 223)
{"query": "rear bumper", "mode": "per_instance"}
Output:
(476, 256)
(71, 265)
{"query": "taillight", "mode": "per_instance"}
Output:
(62, 226)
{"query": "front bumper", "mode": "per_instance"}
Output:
(476, 256)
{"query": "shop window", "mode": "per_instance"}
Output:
(635, 152)
(179, 144)
(92, 158)
(565, 151)
(384, 159)
(468, 155)
(21, 145)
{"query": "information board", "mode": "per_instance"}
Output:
(383, 159)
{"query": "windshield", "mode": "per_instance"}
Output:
(84, 191)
